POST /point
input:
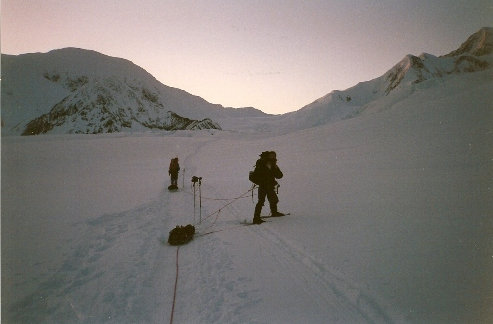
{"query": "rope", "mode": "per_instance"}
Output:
(176, 285)
(243, 195)
(217, 199)
(219, 230)
(223, 199)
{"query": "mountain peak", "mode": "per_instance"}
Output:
(415, 69)
(478, 44)
(409, 63)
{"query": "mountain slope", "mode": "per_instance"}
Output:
(474, 55)
(478, 44)
(72, 80)
(107, 106)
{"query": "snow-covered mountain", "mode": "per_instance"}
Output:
(403, 79)
(107, 106)
(79, 91)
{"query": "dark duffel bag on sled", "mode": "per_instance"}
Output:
(181, 234)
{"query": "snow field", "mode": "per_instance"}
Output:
(391, 221)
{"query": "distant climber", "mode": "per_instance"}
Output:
(265, 174)
(174, 168)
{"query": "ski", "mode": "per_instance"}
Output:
(270, 216)
(247, 223)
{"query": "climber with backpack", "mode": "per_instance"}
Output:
(174, 168)
(265, 174)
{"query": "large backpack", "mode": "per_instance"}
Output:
(173, 166)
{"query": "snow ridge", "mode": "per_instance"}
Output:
(474, 55)
(478, 44)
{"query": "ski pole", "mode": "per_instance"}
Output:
(194, 181)
(200, 200)
(194, 202)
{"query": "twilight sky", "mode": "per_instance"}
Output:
(275, 55)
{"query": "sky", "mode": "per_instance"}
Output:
(274, 55)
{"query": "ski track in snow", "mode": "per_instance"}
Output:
(333, 297)
(76, 292)
(322, 285)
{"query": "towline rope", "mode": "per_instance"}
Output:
(243, 195)
(220, 230)
(218, 199)
(176, 285)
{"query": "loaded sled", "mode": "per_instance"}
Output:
(181, 235)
